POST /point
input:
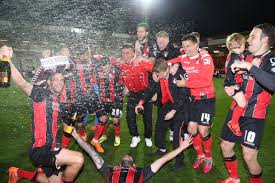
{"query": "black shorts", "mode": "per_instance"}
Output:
(202, 111)
(251, 128)
(238, 88)
(111, 108)
(45, 157)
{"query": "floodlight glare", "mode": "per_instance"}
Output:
(146, 2)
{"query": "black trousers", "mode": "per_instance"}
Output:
(180, 127)
(178, 121)
(132, 101)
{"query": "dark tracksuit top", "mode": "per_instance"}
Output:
(181, 98)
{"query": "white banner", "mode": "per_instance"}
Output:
(54, 61)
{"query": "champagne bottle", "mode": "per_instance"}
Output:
(5, 72)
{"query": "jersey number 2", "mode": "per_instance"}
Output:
(115, 112)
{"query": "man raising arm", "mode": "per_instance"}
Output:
(127, 166)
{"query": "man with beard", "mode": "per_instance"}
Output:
(259, 84)
(58, 164)
(142, 44)
(127, 171)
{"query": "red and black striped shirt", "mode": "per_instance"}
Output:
(109, 84)
(46, 118)
(120, 174)
(257, 95)
(84, 75)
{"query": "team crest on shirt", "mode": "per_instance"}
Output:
(206, 60)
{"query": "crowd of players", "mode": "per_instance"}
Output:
(178, 81)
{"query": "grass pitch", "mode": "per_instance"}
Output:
(15, 130)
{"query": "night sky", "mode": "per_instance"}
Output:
(218, 17)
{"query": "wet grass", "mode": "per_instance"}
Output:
(15, 115)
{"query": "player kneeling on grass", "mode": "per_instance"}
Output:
(58, 164)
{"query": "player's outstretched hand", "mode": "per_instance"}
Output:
(185, 143)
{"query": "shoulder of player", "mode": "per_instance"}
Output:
(38, 93)
(182, 72)
(206, 58)
(270, 59)
(172, 48)
(182, 56)
(205, 55)
(270, 55)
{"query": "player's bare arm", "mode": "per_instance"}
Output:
(161, 161)
(97, 159)
(15, 74)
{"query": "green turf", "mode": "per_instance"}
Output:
(15, 129)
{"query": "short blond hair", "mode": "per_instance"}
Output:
(160, 65)
(162, 34)
(235, 38)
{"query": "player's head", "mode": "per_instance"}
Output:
(127, 52)
(127, 161)
(55, 81)
(63, 51)
(190, 45)
(160, 68)
(105, 63)
(236, 42)
(197, 35)
(142, 32)
(162, 39)
(46, 53)
(261, 38)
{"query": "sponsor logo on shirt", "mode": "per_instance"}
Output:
(272, 61)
